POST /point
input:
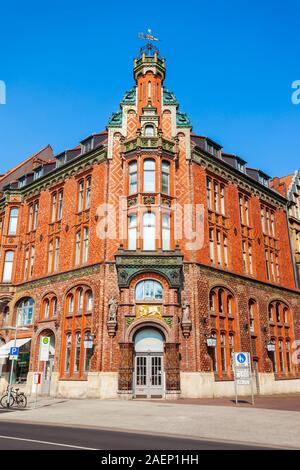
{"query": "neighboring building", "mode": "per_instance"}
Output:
(147, 256)
(289, 186)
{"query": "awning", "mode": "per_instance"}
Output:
(4, 350)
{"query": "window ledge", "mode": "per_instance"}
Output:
(286, 377)
(74, 378)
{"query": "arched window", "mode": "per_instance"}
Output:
(281, 329)
(148, 290)
(8, 266)
(165, 177)
(89, 301)
(77, 353)
(149, 231)
(149, 131)
(54, 306)
(222, 340)
(46, 309)
(149, 176)
(25, 312)
(132, 177)
(70, 304)
(80, 300)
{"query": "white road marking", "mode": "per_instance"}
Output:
(46, 442)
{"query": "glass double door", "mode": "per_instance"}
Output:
(149, 375)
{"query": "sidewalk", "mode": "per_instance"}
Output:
(217, 422)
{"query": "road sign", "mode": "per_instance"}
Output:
(37, 378)
(14, 352)
(44, 348)
(241, 359)
(242, 372)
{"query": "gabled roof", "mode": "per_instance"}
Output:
(42, 156)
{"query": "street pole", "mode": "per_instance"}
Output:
(11, 371)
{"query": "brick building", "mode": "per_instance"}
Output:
(289, 186)
(147, 255)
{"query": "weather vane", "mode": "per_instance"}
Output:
(148, 36)
(149, 48)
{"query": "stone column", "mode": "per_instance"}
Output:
(125, 371)
(172, 369)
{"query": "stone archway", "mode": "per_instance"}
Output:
(166, 360)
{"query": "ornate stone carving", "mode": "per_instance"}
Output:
(168, 265)
(112, 322)
(186, 323)
(149, 200)
(149, 311)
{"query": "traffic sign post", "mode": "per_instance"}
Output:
(37, 380)
(242, 372)
(14, 353)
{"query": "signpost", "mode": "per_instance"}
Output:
(13, 353)
(242, 372)
(37, 380)
(45, 348)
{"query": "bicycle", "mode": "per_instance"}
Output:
(15, 397)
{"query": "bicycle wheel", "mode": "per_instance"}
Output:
(4, 400)
(21, 401)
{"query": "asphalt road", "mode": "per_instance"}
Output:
(24, 436)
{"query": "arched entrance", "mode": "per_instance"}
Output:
(149, 377)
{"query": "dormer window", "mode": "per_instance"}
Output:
(88, 146)
(240, 167)
(149, 131)
(22, 182)
(38, 173)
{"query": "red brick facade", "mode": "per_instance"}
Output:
(221, 253)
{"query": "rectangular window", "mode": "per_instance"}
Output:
(8, 266)
(216, 196)
(30, 218)
(223, 353)
(209, 195)
(149, 231)
(225, 251)
(132, 177)
(77, 250)
(88, 193)
(26, 265)
(77, 352)
(32, 254)
(85, 245)
(219, 251)
(35, 215)
(56, 255)
(60, 205)
(81, 196)
(50, 256)
(13, 221)
(222, 194)
(211, 245)
(166, 232)
(149, 176)
(53, 211)
(132, 228)
(267, 264)
(165, 177)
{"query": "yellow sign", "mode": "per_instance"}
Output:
(152, 311)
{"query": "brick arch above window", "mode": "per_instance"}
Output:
(49, 306)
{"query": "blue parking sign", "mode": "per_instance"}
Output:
(14, 352)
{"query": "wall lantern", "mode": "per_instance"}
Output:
(211, 342)
(271, 345)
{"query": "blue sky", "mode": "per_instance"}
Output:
(230, 64)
